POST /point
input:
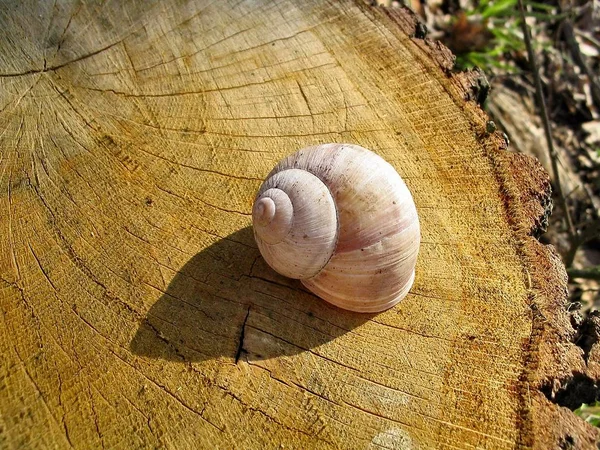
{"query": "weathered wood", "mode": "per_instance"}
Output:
(137, 311)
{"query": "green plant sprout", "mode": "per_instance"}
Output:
(502, 21)
(589, 413)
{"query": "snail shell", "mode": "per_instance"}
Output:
(339, 218)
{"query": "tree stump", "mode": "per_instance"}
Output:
(136, 309)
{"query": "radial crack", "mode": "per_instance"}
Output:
(241, 343)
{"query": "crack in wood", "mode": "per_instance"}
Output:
(242, 332)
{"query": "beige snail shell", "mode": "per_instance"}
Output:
(339, 218)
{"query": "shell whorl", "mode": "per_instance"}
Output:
(340, 218)
(295, 223)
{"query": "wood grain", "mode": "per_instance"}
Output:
(137, 311)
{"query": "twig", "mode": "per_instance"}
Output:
(591, 231)
(544, 113)
(579, 59)
(591, 273)
(588, 37)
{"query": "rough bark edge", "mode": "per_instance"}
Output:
(551, 358)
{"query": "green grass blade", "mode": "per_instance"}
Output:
(498, 8)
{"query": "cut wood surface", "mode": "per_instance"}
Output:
(136, 309)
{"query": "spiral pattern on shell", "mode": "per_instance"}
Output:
(339, 218)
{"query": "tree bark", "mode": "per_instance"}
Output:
(136, 310)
